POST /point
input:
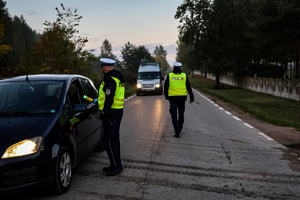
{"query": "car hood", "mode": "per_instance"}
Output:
(17, 128)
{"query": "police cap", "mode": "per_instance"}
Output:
(177, 64)
(107, 62)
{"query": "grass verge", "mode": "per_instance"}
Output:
(129, 90)
(275, 110)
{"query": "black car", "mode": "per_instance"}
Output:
(46, 128)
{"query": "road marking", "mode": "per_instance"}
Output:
(248, 125)
(264, 135)
(129, 97)
(237, 118)
(228, 112)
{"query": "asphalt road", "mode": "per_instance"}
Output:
(217, 157)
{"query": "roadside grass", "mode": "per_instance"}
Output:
(129, 90)
(275, 110)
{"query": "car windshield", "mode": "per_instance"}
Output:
(148, 75)
(36, 97)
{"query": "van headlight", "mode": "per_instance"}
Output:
(139, 85)
(23, 148)
(157, 85)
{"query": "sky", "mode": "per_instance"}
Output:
(141, 22)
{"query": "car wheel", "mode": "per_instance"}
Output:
(63, 171)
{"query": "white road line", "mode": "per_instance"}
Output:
(228, 113)
(237, 118)
(129, 97)
(248, 125)
(264, 135)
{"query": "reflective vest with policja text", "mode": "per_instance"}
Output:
(118, 98)
(177, 84)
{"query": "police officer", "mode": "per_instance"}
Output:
(110, 101)
(176, 87)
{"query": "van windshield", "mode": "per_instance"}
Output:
(149, 75)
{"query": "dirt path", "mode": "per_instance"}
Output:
(287, 136)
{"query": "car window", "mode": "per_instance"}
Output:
(75, 93)
(89, 89)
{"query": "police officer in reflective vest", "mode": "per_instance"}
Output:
(110, 101)
(176, 87)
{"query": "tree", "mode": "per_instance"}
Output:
(275, 32)
(215, 29)
(127, 56)
(160, 51)
(165, 66)
(3, 47)
(133, 55)
(140, 53)
(186, 55)
(20, 38)
(160, 56)
(106, 50)
(66, 54)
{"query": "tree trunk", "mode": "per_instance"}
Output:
(297, 72)
(218, 85)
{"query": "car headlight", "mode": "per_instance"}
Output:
(23, 148)
(139, 85)
(157, 85)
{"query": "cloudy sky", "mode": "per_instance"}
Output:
(141, 22)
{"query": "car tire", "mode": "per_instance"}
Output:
(63, 171)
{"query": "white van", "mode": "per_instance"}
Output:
(149, 79)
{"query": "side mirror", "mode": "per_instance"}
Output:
(162, 78)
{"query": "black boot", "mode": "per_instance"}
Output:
(114, 171)
(177, 135)
(106, 169)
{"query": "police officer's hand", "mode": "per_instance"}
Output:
(191, 100)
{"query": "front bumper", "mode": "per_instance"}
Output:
(149, 88)
(24, 172)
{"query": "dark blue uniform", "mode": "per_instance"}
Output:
(111, 122)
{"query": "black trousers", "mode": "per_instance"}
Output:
(177, 109)
(111, 137)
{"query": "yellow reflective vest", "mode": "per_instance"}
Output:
(118, 98)
(177, 84)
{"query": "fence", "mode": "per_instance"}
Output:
(278, 87)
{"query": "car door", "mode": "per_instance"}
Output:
(84, 122)
(89, 90)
